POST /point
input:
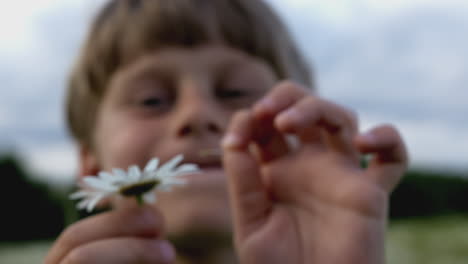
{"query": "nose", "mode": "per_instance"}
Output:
(199, 115)
(199, 125)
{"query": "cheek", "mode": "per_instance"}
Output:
(127, 143)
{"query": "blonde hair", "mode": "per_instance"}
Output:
(126, 29)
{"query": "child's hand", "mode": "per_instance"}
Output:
(309, 203)
(119, 236)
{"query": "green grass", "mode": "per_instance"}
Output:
(24, 252)
(440, 240)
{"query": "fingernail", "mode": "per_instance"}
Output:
(264, 104)
(167, 251)
(291, 114)
(231, 141)
(290, 118)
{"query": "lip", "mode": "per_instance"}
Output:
(205, 159)
(211, 169)
(209, 165)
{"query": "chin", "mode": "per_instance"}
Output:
(202, 233)
(209, 218)
(201, 206)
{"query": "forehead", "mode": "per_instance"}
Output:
(201, 59)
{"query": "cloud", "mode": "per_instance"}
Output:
(416, 70)
(34, 66)
(431, 144)
(402, 62)
(392, 61)
(349, 13)
(52, 163)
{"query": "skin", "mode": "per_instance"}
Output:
(312, 202)
(327, 209)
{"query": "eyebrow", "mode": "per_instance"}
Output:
(149, 69)
(152, 68)
(145, 72)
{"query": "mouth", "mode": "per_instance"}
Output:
(210, 152)
(210, 180)
(206, 159)
(209, 165)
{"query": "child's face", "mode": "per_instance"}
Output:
(175, 101)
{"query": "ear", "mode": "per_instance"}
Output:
(88, 162)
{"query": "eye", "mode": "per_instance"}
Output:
(152, 102)
(231, 93)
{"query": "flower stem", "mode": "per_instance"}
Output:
(139, 199)
(365, 160)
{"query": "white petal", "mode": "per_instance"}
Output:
(134, 173)
(106, 176)
(120, 174)
(82, 205)
(168, 183)
(175, 181)
(79, 195)
(165, 187)
(98, 184)
(149, 197)
(152, 165)
(109, 183)
(187, 168)
(94, 201)
(169, 166)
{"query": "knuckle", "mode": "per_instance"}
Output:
(240, 116)
(146, 251)
(149, 221)
(135, 252)
(78, 256)
(310, 103)
(390, 132)
(70, 237)
(290, 86)
(362, 196)
(388, 128)
(286, 84)
(387, 134)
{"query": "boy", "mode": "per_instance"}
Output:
(157, 78)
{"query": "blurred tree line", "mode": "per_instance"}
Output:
(424, 193)
(33, 210)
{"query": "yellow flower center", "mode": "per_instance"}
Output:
(138, 188)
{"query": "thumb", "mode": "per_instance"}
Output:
(248, 196)
(390, 159)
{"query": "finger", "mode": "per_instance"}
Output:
(139, 221)
(390, 156)
(122, 250)
(311, 116)
(273, 144)
(281, 97)
(270, 143)
(248, 196)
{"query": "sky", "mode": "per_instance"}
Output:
(392, 61)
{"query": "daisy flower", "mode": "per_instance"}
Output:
(135, 182)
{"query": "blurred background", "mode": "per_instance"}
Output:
(396, 61)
